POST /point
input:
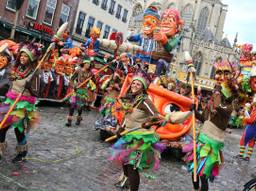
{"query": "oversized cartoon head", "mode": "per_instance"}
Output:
(95, 33)
(223, 71)
(151, 20)
(4, 60)
(59, 67)
(171, 22)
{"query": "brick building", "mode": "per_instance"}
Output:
(37, 18)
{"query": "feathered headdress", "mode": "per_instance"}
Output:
(143, 78)
(33, 50)
(223, 65)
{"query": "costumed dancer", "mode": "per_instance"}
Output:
(82, 96)
(111, 86)
(151, 19)
(92, 44)
(249, 134)
(139, 149)
(5, 62)
(168, 35)
(24, 115)
(59, 78)
(210, 141)
(46, 79)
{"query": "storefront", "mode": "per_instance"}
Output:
(33, 31)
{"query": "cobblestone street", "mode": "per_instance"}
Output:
(74, 159)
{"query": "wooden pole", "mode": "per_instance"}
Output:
(194, 127)
(122, 134)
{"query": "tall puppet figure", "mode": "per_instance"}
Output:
(24, 114)
(92, 44)
(169, 33)
(168, 37)
(211, 138)
(151, 19)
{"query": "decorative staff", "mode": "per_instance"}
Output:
(59, 33)
(191, 73)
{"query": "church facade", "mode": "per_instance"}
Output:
(203, 38)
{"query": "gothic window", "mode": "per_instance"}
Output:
(198, 60)
(202, 20)
(137, 10)
(186, 15)
(171, 5)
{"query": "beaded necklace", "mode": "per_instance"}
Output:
(22, 73)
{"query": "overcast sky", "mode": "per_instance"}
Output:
(241, 18)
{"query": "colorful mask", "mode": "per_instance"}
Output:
(59, 67)
(151, 20)
(223, 71)
(3, 61)
(170, 22)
